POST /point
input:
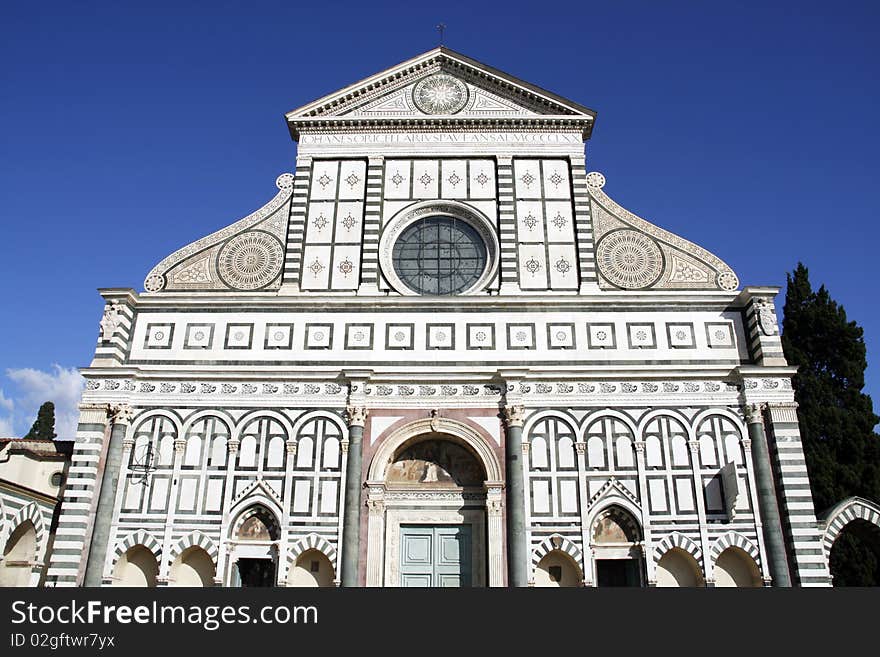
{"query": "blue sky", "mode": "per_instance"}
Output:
(130, 129)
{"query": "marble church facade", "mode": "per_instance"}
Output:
(441, 355)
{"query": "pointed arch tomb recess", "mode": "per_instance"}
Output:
(393, 502)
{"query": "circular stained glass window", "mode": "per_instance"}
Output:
(439, 255)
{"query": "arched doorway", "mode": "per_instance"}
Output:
(735, 568)
(312, 569)
(254, 548)
(854, 559)
(19, 556)
(136, 568)
(192, 568)
(616, 541)
(678, 568)
(852, 542)
(558, 570)
(435, 508)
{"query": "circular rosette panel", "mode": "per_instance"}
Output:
(251, 260)
(727, 280)
(629, 259)
(440, 94)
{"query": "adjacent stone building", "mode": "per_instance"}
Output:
(441, 355)
(32, 475)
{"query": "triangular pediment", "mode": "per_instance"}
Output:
(439, 85)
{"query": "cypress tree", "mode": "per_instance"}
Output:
(44, 426)
(836, 418)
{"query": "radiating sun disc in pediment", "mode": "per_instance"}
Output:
(440, 94)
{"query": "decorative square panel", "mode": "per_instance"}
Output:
(601, 336)
(559, 221)
(560, 336)
(641, 336)
(453, 179)
(279, 336)
(325, 179)
(319, 336)
(397, 178)
(425, 178)
(482, 179)
(198, 336)
(719, 335)
(532, 267)
(239, 336)
(529, 221)
(441, 336)
(480, 336)
(358, 336)
(349, 226)
(527, 178)
(319, 224)
(681, 335)
(159, 336)
(556, 179)
(562, 266)
(399, 336)
(352, 179)
(520, 336)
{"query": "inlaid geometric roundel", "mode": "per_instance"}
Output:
(629, 259)
(440, 94)
(251, 260)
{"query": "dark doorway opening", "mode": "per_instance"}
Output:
(618, 572)
(255, 572)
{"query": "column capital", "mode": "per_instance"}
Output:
(753, 413)
(291, 447)
(580, 447)
(232, 446)
(120, 413)
(514, 415)
(640, 446)
(179, 445)
(694, 445)
(356, 415)
(127, 444)
(746, 443)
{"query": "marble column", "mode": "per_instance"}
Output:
(357, 417)
(769, 507)
(120, 416)
(517, 555)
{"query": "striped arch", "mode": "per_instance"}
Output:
(195, 539)
(312, 542)
(31, 512)
(245, 420)
(543, 415)
(305, 418)
(590, 418)
(666, 412)
(734, 539)
(678, 540)
(839, 516)
(157, 412)
(557, 542)
(220, 414)
(723, 412)
(139, 537)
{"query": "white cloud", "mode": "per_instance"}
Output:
(63, 386)
(6, 403)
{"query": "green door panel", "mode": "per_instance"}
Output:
(435, 555)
